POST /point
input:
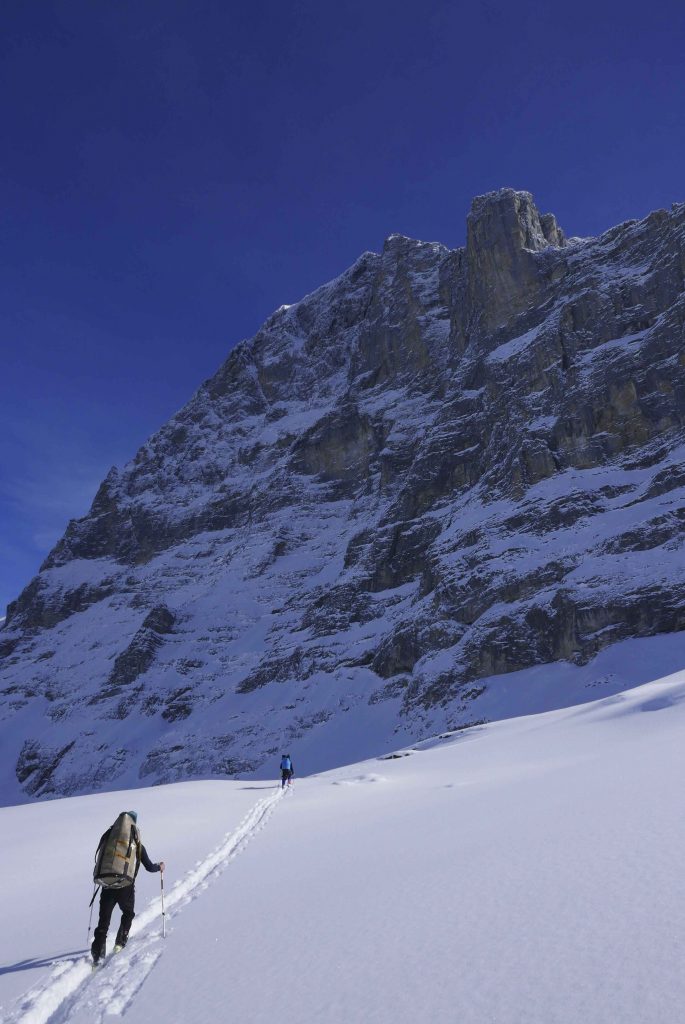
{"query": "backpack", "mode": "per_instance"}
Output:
(116, 859)
(285, 764)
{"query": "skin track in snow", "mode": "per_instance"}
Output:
(518, 872)
(73, 992)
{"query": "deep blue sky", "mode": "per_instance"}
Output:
(173, 171)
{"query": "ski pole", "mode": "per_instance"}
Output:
(90, 919)
(161, 882)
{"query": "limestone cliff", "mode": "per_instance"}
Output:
(442, 468)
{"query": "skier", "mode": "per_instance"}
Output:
(121, 893)
(287, 771)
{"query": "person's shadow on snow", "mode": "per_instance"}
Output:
(38, 962)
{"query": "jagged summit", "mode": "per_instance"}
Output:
(441, 468)
(503, 219)
(511, 216)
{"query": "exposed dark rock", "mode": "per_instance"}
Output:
(173, 762)
(37, 764)
(9, 646)
(400, 651)
(298, 665)
(140, 653)
(440, 467)
(391, 690)
(179, 704)
(39, 607)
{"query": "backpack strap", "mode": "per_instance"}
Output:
(103, 840)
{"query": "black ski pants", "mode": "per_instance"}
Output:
(109, 899)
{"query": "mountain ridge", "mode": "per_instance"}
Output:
(440, 467)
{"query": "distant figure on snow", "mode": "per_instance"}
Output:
(118, 857)
(287, 770)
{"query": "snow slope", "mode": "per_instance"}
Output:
(439, 470)
(524, 871)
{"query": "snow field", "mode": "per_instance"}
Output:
(523, 872)
(53, 998)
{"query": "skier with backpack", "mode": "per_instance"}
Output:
(287, 770)
(118, 857)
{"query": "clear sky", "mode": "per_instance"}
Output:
(174, 170)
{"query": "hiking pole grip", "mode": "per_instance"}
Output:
(161, 882)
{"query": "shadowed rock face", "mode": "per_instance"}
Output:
(444, 465)
(140, 653)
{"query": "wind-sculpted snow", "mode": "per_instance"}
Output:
(439, 471)
(73, 993)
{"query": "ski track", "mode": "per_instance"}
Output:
(65, 994)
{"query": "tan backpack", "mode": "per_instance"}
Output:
(116, 859)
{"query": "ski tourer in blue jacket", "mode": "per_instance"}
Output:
(287, 770)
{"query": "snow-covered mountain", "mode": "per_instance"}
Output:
(523, 872)
(448, 486)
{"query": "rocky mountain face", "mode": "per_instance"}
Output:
(429, 477)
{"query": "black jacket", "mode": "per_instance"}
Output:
(145, 860)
